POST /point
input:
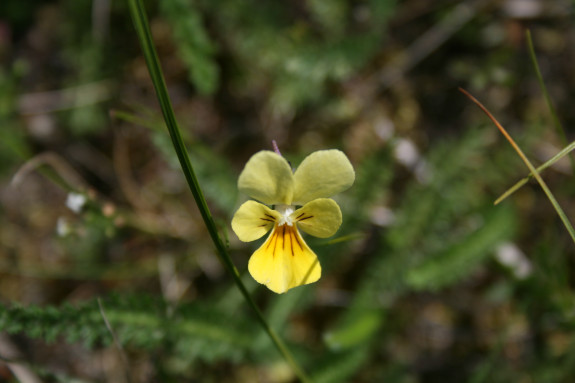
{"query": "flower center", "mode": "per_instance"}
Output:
(285, 211)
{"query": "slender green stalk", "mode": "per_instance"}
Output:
(532, 169)
(524, 180)
(141, 25)
(556, 122)
(129, 117)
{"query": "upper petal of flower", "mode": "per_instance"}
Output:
(268, 178)
(284, 261)
(320, 217)
(322, 174)
(253, 220)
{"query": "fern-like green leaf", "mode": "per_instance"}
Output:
(196, 49)
(141, 322)
(462, 257)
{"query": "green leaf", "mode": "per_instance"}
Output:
(196, 330)
(195, 47)
(357, 331)
(464, 256)
(339, 367)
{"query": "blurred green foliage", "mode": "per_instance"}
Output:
(196, 49)
(415, 286)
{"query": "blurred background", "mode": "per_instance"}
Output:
(107, 273)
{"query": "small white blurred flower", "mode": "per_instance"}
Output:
(75, 201)
(384, 129)
(406, 153)
(508, 254)
(382, 216)
(63, 227)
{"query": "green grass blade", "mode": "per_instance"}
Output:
(133, 119)
(556, 122)
(141, 25)
(528, 163)
(547, 164)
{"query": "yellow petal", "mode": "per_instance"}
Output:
(268, 178)
(253, 220)
(284, 261)
(322, 174)
(320, 217)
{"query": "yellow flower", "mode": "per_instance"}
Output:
(300, 201)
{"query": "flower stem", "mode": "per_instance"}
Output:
(141, 25)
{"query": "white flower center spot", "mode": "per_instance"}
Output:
(285, 211)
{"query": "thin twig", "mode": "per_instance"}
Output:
(429, 41)
(64, 99)
(116, 342)
(68, 178)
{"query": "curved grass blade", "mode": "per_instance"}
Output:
(547, 164)
(141, 25)
(528, 163)
(556, 122)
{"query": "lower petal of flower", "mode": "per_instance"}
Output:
(284, 261)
